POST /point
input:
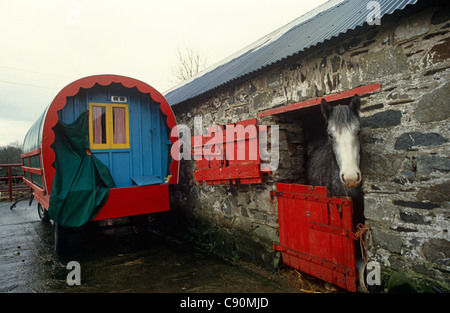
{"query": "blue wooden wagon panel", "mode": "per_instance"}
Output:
(147, 159)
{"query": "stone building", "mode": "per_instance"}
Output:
(404, 140)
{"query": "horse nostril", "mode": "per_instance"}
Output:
(343, 179)
(353, 181)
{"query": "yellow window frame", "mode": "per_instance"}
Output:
(109, 127)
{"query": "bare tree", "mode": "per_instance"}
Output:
(189, 64)
(10, 153)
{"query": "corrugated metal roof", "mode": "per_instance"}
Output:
(325, 22)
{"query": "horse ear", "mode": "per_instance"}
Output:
(355, 104)
(326, 108)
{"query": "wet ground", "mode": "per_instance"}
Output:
(113, 259)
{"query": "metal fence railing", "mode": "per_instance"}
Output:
(11, 181)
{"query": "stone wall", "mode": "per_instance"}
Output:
(405, 147)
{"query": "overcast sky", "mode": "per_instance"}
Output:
(45, 45)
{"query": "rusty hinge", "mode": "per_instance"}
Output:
(275, 194)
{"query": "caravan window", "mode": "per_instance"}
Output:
(109, 126)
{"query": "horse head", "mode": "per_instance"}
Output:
(343, 126)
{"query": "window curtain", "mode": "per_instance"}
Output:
(97, 124)
(119, 125)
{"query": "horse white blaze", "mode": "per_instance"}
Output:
(346, 149)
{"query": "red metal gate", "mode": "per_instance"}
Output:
(9, 178)
(316, 233)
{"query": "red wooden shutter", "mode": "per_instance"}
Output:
(221, 166)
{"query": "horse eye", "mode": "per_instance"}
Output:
(330, 134)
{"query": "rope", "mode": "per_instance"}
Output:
(359, 234)
(360, 231)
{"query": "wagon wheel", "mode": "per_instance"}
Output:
(61, 238)
(43, 213)
(139, 225)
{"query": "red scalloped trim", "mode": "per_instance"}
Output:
(59, 102)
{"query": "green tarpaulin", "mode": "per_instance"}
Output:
(81, 183)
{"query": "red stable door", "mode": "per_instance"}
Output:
(316, 233)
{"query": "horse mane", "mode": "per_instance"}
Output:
(342, 116)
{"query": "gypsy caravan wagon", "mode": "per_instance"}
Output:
(100, 150)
